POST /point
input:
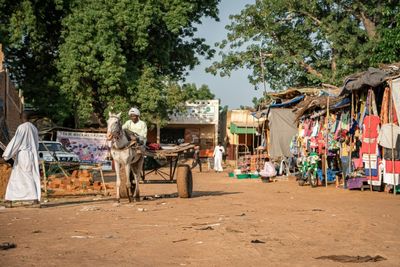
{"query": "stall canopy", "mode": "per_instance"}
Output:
(282, 127)
(373, 77)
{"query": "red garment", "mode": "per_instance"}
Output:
(371, 125)
(321, 143)
(314, 143)
(370, 134)
(369, 146)
(358, 163)
(389, 166)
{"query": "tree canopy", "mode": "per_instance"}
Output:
(87, 56)
(309, 42)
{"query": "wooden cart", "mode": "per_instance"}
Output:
(184, 179)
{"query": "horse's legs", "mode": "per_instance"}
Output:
(118, 182)
(128, 180)
(137, 170)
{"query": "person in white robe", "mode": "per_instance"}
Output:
(24, 182)
(269, 169)
(218, 153)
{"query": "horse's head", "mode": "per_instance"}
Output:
(114, 126)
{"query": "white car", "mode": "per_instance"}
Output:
(55, 151)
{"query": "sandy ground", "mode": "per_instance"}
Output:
(214, 228)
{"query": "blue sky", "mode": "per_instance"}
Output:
(234, 90)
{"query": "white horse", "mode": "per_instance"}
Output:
(125, 153)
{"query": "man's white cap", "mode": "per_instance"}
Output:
(134, 111)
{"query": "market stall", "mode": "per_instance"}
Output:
(356, 133)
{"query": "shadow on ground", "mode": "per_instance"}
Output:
(213, 193)
(71, 202)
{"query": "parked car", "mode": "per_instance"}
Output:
(55, 151)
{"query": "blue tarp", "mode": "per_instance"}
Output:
(344, 102)
(265, 112)
(288, 103)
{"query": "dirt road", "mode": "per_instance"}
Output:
(293, 225)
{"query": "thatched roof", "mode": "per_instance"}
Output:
(293, 92)
(311, 103)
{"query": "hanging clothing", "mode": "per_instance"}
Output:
(389, 166)
(363, 108)
(385, 106)
(24, 183)
(396, 98)
(294, 146)
(370, 134)
(374, 109)
(356, 149)
(371, 126)
(385, 138)
(345, 121)
(321, 143)
(218, 152)
(315, 129)
(354, 127)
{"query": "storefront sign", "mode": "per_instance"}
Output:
(91, 148)
(198, 112)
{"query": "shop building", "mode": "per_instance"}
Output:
(197, 125)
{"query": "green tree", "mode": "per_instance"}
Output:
(303, 42)
(30, 34)
(193, 93)
(93, 54)
(387, 49)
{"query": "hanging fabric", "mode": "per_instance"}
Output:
(363, 108)
(385, 107)
(373, 103)
(396, 96)
(315, 129)
(345, 121)
(370, 134)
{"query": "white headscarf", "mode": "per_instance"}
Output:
(134, 111)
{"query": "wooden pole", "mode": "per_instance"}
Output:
(351, 137)
(245, 135)
(392, 134)
(369, 144)
(326, 142)
(102, 180)
(158, 133)
(44, 178)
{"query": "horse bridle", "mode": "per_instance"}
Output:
(116, 135)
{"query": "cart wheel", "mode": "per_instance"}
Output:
(184, 181)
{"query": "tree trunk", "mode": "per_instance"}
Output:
(369, 25)
(333, 65)
(310, 69)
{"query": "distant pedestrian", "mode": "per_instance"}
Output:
(268, 170)
(196, 158)
(24, 183)
(218, 153)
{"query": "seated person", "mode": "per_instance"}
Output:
(136, 127)
(269, 169)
